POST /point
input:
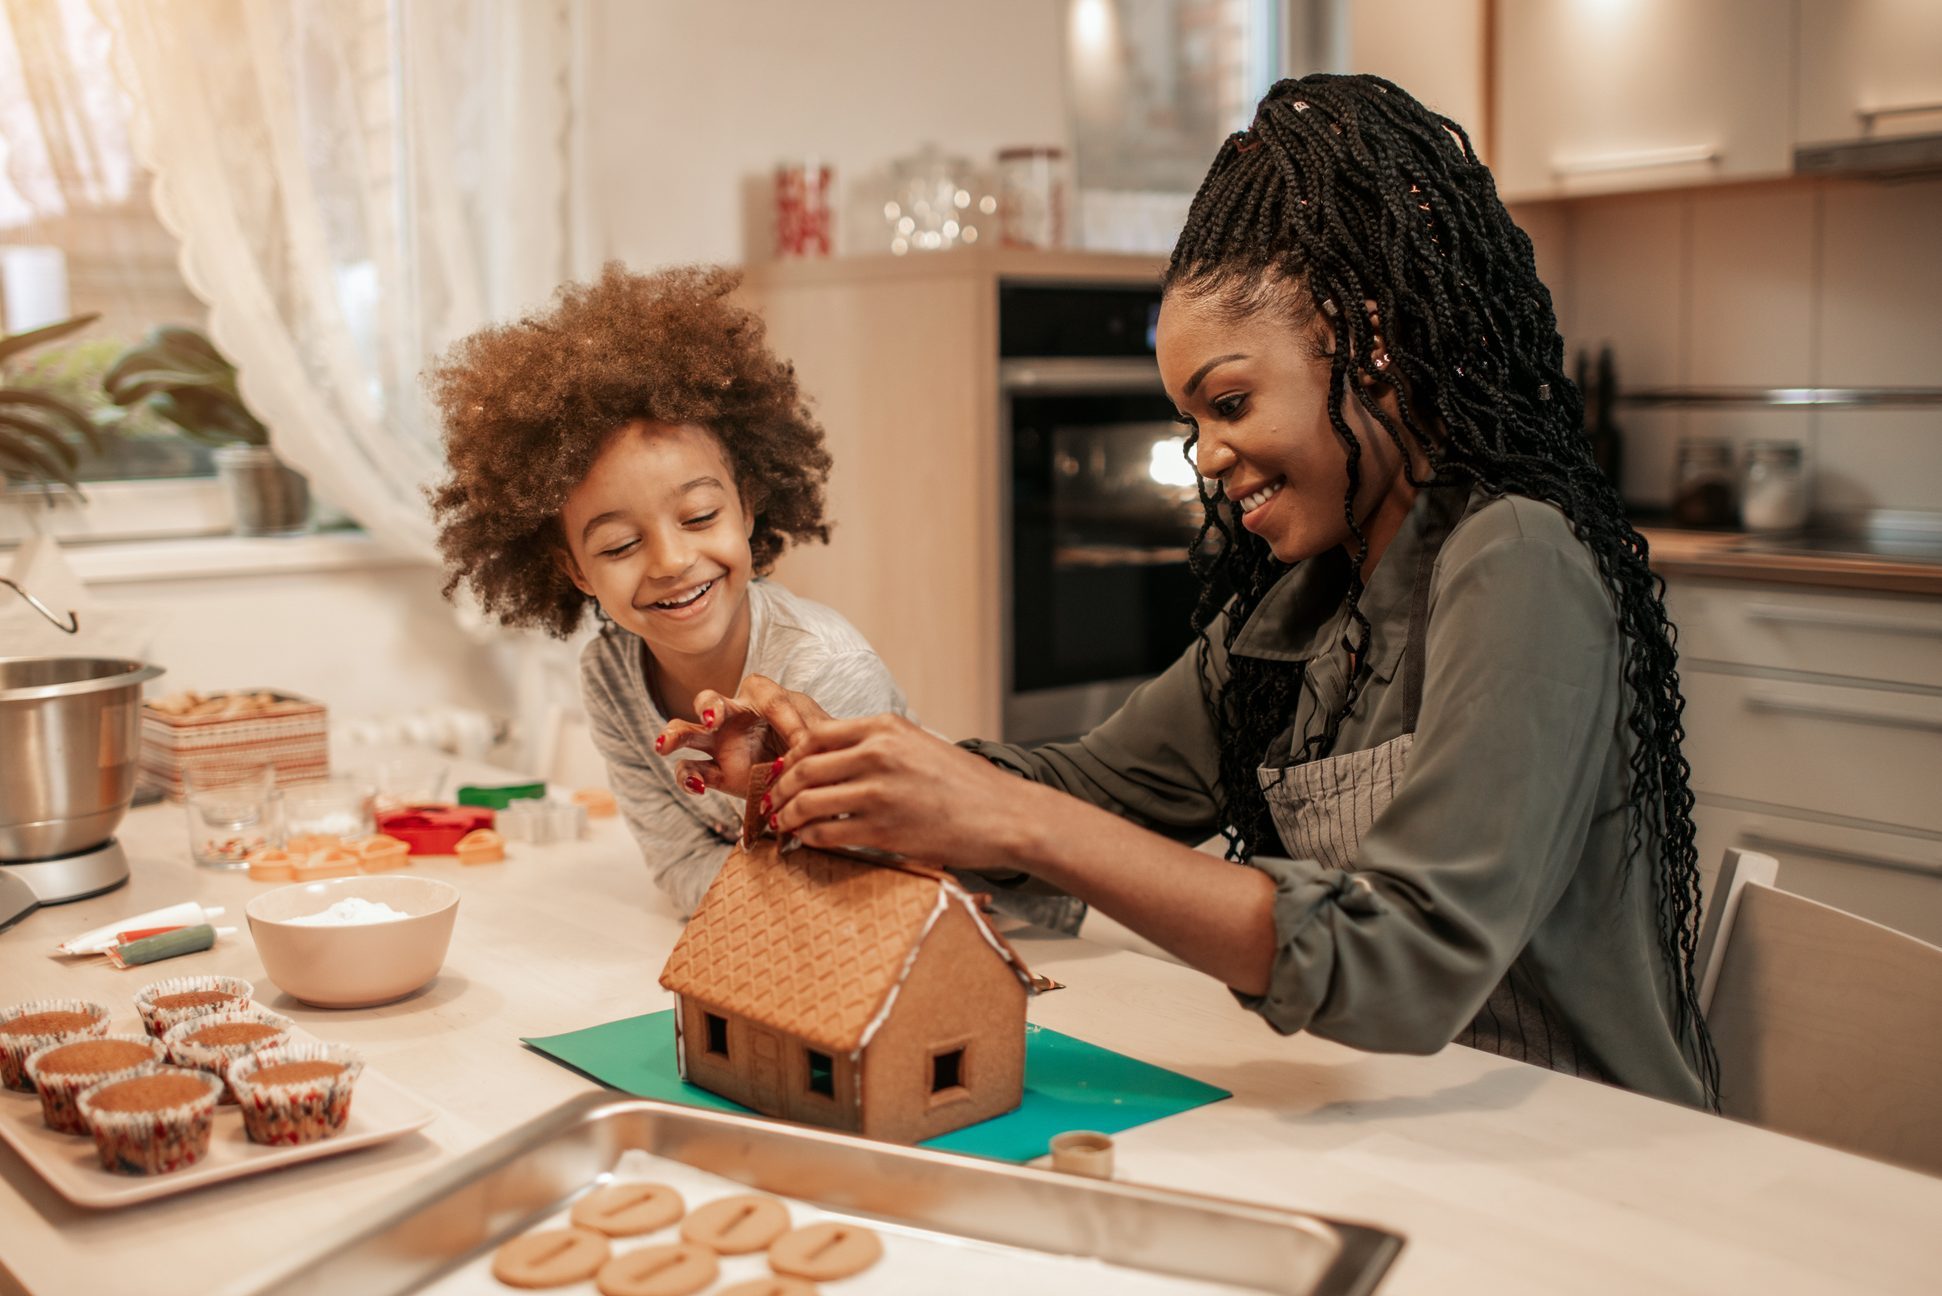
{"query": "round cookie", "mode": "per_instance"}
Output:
(676, 1270)
(550, 1258)
(825, 1251)
(737, 1225)
(773, 1285)
(629, 1209)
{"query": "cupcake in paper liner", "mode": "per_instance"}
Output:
(63, 1072)
(215, 1040)
(167, 1004)
(26, 1029)
(152, 1122)
(296, 1093)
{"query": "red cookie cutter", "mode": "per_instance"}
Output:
(433, 829)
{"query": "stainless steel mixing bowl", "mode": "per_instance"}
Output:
(70, 736)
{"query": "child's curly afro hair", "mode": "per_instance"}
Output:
(528, 406)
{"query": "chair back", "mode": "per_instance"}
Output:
(1828, 1026)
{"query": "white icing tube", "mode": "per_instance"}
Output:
(102, 939)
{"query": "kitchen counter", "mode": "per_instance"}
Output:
(1734, 555)
(1504, 1177)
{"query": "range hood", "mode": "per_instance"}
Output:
(1890, 157)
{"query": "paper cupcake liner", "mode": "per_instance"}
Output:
(60, 1091)
(302, 1112)
(159, 1021)
(16, 1049)
(217, 1058)
(155, 1141)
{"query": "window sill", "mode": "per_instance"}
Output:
(217, 557)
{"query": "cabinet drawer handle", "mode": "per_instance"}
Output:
(1845, 620)
(1869, 116)
(1638, 160)
(1794, 706)
(1773, 845)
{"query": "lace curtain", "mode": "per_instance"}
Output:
(356, 184)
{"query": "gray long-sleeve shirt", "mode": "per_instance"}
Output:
(684, 838)
(1506, 837)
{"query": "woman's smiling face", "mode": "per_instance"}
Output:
(1257, 393)
(658, 535)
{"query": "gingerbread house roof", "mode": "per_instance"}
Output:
(811, 944)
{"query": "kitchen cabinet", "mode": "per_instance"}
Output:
(1814, 730)
(1604, 97)
(898, 359)
(1868, 68)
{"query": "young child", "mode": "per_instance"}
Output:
(637, 451)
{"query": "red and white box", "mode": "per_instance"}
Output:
(278, 729)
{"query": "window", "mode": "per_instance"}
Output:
(822, 1074)
(717, 1034)
(947, 1075)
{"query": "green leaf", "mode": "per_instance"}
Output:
(47, 436)
(14, 344)
(187, 341)
(130, 386)
(36, 463)
(56, 411)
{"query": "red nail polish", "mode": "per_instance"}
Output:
(707, 717)
(696, 785)
(775, 770)
(659, 739)
(773, 825)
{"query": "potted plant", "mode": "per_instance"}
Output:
(177, 373)
(40, 432)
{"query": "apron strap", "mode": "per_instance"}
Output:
(1416, 646)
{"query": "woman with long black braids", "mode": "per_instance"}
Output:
(1432, 707)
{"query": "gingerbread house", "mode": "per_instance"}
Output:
(872, 997)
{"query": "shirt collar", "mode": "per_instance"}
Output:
(1302, 616)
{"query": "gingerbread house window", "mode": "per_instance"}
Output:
(717, 1034)
(822, 1073)
(947, 1075)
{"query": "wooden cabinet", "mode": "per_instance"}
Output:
(1602, 97)
(1868, 68)
(898, 358)
(1814, 730)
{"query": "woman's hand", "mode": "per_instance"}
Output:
(737, 733)
(884, 783)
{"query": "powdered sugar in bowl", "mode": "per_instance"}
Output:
(356, 941)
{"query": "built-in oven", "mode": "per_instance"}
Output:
(1100, 506)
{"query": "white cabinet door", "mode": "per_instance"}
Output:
(1891, 638)
(1868, 68)
(1598, 96)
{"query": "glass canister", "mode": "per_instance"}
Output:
(1031, 197)
(1773, 487)
(932, 206)
(803, 209)
(1702, 488)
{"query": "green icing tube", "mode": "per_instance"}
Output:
(498, 798)
(153, 949)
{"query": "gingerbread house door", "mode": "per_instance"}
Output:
(764, 1070)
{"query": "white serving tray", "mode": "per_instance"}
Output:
(380, 1111)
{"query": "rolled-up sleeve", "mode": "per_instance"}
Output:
(1522, 680)
(1154, 761)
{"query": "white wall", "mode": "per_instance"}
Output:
(1787, 284)
(692, 105)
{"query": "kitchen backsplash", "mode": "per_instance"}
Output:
(1789, 284)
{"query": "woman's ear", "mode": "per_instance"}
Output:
(563, 559)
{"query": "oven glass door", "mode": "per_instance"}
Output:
(1103, 509)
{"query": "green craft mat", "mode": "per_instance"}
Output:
(1069, 1084)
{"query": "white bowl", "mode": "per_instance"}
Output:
(361, 965)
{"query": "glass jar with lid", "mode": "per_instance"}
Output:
(1031, 197)
(1773, 487)
(1702, 489)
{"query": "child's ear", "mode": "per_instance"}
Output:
(563, 559)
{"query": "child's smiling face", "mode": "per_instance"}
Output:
(658, 535)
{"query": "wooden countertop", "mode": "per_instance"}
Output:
(1504, 1177)
(1724, 555)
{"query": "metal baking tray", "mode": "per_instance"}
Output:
(509, 1185)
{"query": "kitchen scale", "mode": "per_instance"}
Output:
(26, 885)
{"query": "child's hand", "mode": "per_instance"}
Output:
(731, 738)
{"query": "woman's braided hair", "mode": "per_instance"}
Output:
(1346, 190)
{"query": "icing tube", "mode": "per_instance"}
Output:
(102, 939)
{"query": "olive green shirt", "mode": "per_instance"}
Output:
(1505, 840)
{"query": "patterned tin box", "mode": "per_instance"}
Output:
(233, 731)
